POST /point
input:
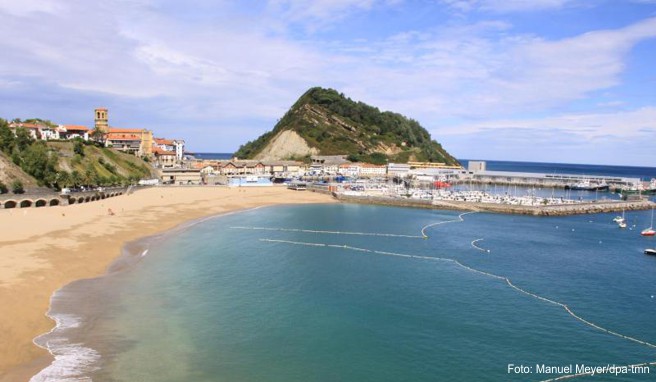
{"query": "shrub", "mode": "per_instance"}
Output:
(17, 187)
(3, 188)
(78, 147)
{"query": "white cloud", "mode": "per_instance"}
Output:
(225, 67)
(505, 6)
(587, 126)
(316, 14)
(26, 7)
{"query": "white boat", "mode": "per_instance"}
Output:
(622, 224)
(619, 219)
(650, 251)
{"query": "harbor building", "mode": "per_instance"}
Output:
(477, 173)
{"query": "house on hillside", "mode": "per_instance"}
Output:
(163, 158)
(134, 141)
(73, 131)
(176, 146)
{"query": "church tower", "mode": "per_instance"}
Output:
(101, 120)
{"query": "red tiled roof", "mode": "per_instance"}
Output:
(159, 151)
(164, 141)
(29, 125)
(76, 128)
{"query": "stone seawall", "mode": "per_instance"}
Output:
(554, 210)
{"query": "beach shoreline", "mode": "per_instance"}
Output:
(45, 249)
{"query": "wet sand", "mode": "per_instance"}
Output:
(44, 249)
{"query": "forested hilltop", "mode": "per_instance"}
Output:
(26, 163)
(329, 123)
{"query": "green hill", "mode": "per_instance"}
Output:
(325, 122)
(58, 164)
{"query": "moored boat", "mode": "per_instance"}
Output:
(649, 231)
(587, 185)
(650, 251)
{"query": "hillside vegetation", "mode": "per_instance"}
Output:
(332, 124)
(58, 164)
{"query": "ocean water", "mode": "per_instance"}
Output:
(213, 156)
(645, 173)
(357, 293)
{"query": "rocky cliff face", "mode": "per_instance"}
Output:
(286, 144)
(326, 122)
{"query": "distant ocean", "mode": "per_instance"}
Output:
(213, 156)
(645, 173)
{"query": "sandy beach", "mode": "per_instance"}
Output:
(43, 249)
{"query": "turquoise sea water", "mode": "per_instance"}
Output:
(223, 301)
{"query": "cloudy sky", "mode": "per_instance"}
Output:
(534, 80)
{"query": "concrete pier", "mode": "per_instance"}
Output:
(550, 210)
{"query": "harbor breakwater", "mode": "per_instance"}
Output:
(548, 210)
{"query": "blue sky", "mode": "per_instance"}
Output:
(535, 80)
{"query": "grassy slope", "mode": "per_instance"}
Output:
(102, 160)
(9, 172)
(125, 165)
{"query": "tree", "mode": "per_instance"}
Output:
(62, 179)
(7, 139)
(23, 138)
(78, 147)
(90, 176)
(76, 178)
(97, 135)
(17, 187)
(3, 188)
(37, 161)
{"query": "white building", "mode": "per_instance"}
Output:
(398, 169)
(368, 169)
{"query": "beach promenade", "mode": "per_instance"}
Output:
(43, 249)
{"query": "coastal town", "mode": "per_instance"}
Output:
(437, 183)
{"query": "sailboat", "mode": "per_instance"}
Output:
(649, 231)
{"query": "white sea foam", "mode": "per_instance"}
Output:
(73, 361)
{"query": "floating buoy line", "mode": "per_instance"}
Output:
(459, 219)
(423, 235)
(488, 274)
(473, 244)
(327, 232)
